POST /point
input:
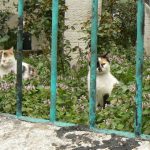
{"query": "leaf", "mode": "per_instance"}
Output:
(4, 39)
(146, 112)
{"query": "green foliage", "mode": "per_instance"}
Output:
(121, 114)
(7, 35)
(117, 27)
(38, 20)
(3, 27)
(72, 95)
(116, 34)
(5, 31)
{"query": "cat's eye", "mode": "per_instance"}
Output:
(5, 54)
(97, 64)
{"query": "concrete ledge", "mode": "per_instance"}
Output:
(21, 135)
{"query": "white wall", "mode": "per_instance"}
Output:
(79, 11)
(147, 30)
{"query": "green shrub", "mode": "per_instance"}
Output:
(72, 95)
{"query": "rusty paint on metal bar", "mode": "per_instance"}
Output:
(19, 58)
(92, 104)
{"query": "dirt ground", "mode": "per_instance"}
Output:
(21, 135)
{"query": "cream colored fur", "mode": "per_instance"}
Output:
(105, 82)
(8, 64)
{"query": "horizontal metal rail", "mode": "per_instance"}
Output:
(66, 124)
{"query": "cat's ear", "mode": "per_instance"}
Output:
(11, 49)
(106, 56)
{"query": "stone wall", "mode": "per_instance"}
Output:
(147, 30)
(9, 5)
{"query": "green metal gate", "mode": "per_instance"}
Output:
(92, 112)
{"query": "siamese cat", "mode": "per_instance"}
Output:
(8, 64)
(105, 81)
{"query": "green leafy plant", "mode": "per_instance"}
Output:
(117, 28)
(72, 94)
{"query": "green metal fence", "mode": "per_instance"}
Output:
(92, 112)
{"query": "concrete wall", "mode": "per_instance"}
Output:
(147, 30)
(79, 11)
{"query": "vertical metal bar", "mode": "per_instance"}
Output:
(139, 66)
(54, 60)
(19, 58)
(92, 112)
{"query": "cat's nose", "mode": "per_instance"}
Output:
(99, 69)
(102, 65)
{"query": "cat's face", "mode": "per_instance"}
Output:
(103, 65)
(6, 58)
